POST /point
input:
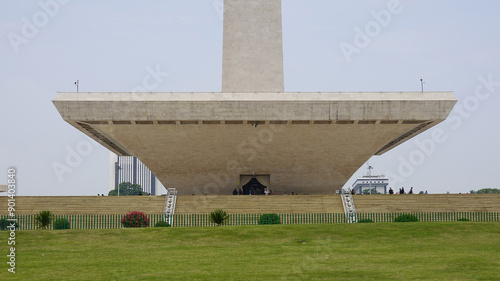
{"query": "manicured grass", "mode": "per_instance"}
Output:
(375, 251)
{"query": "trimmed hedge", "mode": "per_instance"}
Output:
(406, 218)
(162, 224)
(269, 219)
(61, 223)
(4, 223)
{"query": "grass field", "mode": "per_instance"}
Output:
(383, 251)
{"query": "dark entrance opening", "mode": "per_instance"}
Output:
(254, 187)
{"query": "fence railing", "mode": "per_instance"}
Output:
(27, 222)
(430, 217)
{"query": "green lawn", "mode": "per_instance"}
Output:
(383, 251)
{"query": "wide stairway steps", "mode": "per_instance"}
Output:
(426, 203)
(259, 204)
(85, 205)
(240, 204)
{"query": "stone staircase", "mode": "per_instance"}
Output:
(259, 204)
(423, 203)
(240, 204)
(85, 205)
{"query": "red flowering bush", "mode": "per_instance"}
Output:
(135, 219)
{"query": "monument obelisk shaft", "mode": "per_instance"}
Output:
(253, 47)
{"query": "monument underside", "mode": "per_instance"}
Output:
(200, 143)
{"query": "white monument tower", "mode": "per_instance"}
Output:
(252, 60)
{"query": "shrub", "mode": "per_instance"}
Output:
(43, 219)
(365, 221)
(463, 219)
(162, 224)
(406, 218)
(135, 219)
(219, 217)
(4, 223)
(269, 219)
(61, 223)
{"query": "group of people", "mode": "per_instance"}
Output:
(402, 191)
(140, 193)
(252, 191)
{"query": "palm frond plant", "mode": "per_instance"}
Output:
(43, 219)
(219, 217)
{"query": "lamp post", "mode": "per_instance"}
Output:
(370, 177)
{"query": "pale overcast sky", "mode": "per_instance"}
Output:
(329, 45)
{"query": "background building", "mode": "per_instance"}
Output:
(379, 183)
(130, 169)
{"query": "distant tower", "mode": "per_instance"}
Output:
(130, 169)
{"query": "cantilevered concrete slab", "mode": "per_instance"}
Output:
(205, 143)
(202, 142)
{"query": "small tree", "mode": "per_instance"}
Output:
(486, 191)
(219, 217)
(126, 188)
(43, 219)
